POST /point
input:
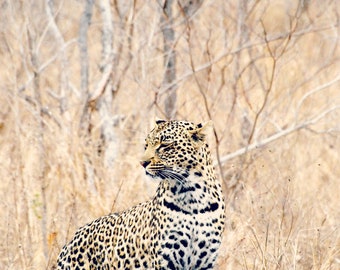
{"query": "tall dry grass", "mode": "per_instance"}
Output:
(267, 74)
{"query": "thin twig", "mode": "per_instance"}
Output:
(277, 136)
(245, 47)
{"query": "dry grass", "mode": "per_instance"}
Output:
(257, 69)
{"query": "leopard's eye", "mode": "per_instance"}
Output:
(165, 146)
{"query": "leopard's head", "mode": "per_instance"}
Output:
(176, 149)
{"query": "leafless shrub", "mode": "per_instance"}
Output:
(81, 83)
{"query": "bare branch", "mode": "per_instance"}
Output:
(64, 70)
(84, 63)
(278, 135)
(250, 44)
(314, 91)
(45, 65)
(169, 61)
(105, 87)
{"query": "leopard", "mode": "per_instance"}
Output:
(179, 228)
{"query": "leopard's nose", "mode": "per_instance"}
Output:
(145, 163)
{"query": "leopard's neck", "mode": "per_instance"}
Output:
(199, 193)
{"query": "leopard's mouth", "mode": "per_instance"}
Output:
(165, 172)
(150, 174)
(154, 170)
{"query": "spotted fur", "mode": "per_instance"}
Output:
(180, 228)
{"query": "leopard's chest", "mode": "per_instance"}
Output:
(190, 237)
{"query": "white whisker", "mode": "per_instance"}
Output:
(171, 174)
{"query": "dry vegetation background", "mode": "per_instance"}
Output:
(81, 83)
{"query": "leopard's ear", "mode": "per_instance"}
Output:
(156, 122)
(159, 121)
(198, 134)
